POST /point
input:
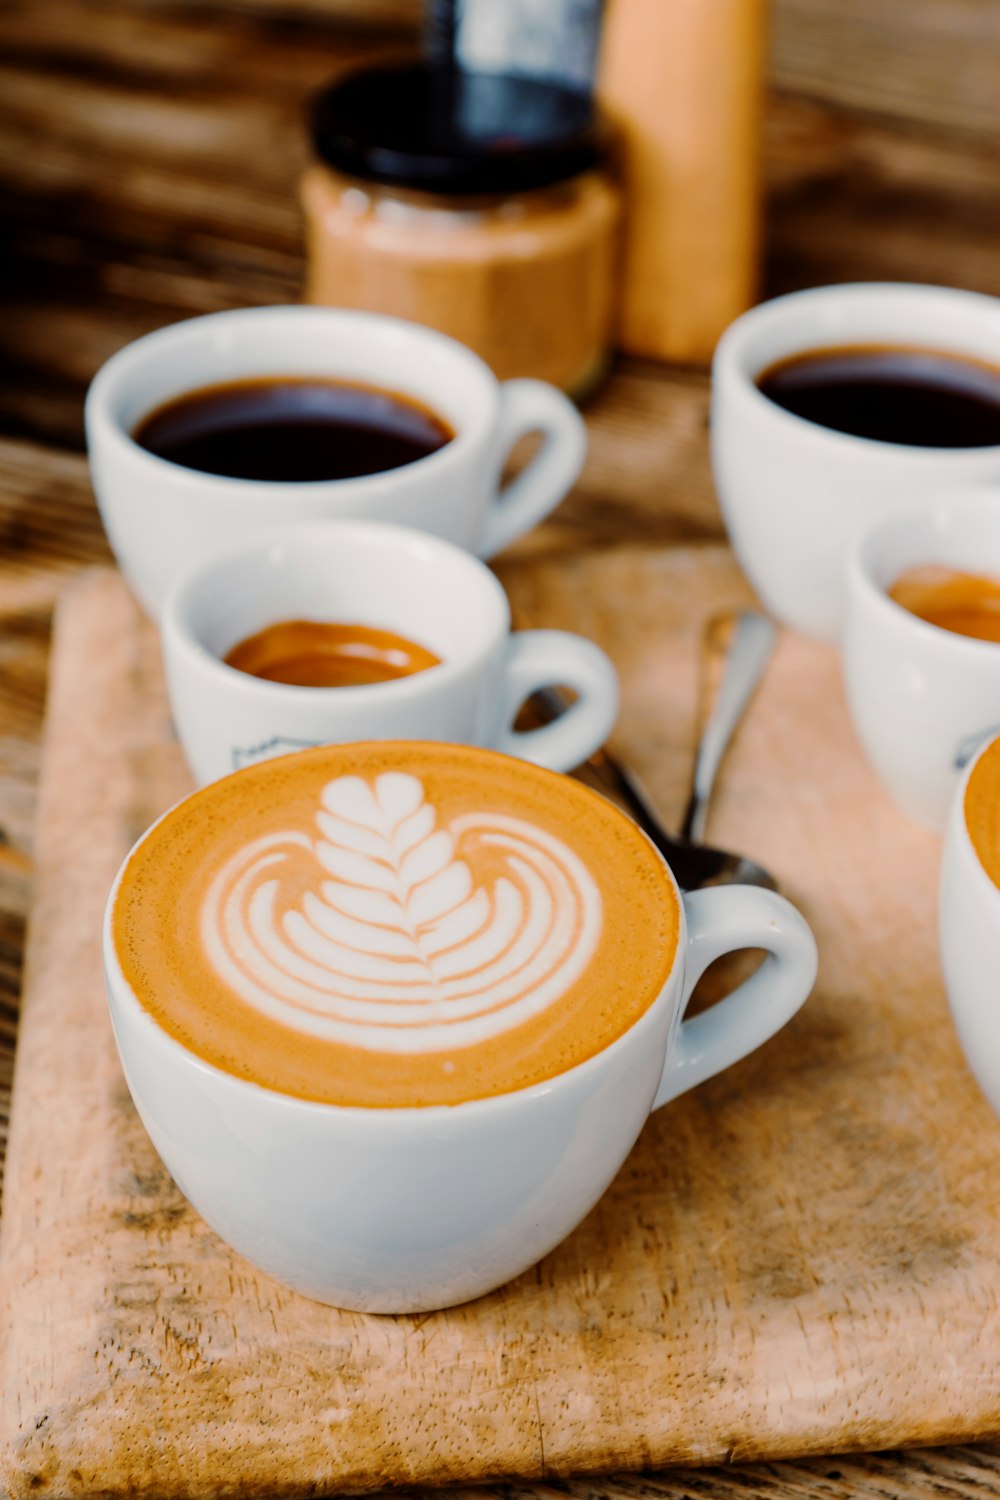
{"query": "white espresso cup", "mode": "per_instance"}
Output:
(159, 516)
(922, 698)
(796, 496)
(410, 1207)
(383, 577)
(970, 916)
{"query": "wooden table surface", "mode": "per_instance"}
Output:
(149, 155)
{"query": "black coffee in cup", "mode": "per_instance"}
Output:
(292, 430)
(922, 398)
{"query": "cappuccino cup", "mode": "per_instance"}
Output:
(388, 578)
(922, 698)
(795, 495)
(970, 916)
(161, 515)
(394, 1014)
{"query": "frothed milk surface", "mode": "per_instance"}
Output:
(982, 810)
(395, 925)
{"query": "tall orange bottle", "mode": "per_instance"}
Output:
(683, 80)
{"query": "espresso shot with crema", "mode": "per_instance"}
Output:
(328, 653)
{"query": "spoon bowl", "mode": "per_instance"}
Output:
(692, 864)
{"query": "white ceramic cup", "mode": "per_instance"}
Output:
(970, 942)
(409, 1209)
(922, 698)
(159, 516)
(796, 496)
(390, 578)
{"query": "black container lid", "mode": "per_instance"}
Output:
(455, 132)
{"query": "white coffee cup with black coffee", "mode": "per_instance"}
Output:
(211, 429)
(836, 408)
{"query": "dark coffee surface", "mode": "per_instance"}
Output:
(919, 397)
(292, 430)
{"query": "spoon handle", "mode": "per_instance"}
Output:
(749, 653)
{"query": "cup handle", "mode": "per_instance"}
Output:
(555, 658)
(723, 920)
(533, 406)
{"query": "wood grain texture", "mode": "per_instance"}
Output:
(767, 1274)
(932, 64)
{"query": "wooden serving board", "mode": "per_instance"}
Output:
(801, 1256)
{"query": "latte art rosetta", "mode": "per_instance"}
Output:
(390, 933)
(395, 924)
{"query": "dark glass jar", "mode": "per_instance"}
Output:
(479, 204)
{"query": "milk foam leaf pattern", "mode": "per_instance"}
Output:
(392, 933)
